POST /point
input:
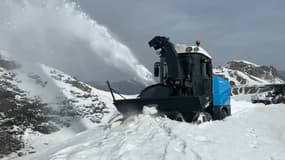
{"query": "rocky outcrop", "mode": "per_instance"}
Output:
(80, 97)
(21, 113)
(18, 114)
(6, 63)
(246, 77)
(264, 72)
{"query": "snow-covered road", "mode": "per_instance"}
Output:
(254, 131)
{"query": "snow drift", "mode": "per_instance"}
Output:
(252, 132)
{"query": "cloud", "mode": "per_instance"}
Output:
(228, 29)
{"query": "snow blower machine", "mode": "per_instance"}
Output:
(187, 89)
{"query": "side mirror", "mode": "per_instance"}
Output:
(156, 69)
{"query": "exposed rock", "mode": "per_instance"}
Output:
(20, 113)
(263, 72)
(7, 64)
(79, 85)
(38, 79)
(246, 77)
(9, 143)
(81, 98)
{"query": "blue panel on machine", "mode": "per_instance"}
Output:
(221, 91)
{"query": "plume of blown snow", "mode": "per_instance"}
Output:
(34, 30)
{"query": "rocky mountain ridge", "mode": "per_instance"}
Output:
(22, 111)
(18, 111)
(246, 77)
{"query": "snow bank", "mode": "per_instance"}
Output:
(254, 131)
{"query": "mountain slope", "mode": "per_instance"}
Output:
(20, 110)
(81, 96)
(244, 76)
(36, 104)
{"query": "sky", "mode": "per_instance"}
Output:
(81, 40)
(251, 30)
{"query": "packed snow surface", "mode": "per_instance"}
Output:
(254, 131)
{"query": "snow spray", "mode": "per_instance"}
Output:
(28, 24)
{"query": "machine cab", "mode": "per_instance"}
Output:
(194, 71)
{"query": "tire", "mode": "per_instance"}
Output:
(223, 114)
(267, 102)
(209, 116)
(275, 101)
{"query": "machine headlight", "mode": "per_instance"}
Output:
(188, 49)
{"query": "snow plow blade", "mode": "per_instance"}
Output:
(129, 107)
